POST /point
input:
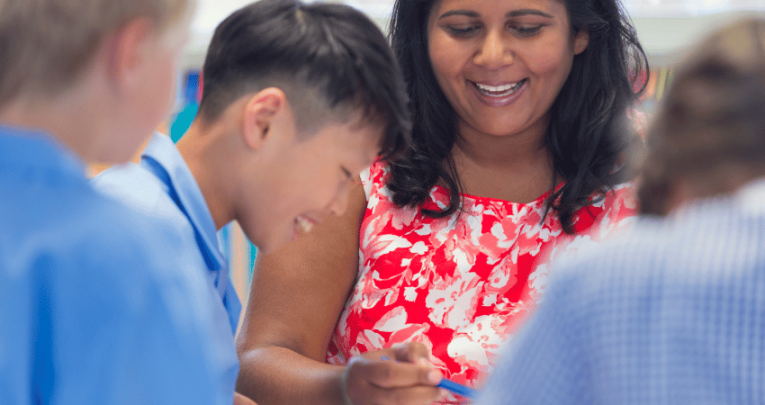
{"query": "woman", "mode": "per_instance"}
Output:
(520, 127)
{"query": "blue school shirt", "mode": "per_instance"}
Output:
(162, 187)
(91, 312)
(671, 314)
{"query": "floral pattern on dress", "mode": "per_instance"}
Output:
(460, 285)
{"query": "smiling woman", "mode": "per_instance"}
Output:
(497, 89)
(519, 133)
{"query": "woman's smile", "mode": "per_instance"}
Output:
(502, 63)
(498, 94)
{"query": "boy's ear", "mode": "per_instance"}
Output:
(260, 111)
(126, 52)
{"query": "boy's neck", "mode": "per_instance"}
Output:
(202, 150)
(65, 119)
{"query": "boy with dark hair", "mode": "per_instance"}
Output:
(297, 100)
(91, 311)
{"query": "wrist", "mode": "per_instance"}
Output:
(345, 398)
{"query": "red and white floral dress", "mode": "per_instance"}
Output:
(458, 285)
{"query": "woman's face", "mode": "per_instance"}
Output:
(501, 63)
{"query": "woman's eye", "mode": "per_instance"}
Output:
(526, 31)
(462, 31)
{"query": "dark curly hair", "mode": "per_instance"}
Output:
(588, 130)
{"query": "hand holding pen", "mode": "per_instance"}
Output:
(456, 388)
(410, 379)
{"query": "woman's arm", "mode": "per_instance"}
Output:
(296, 297)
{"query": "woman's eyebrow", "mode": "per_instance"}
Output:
(511, 14)
(527, 11)
(467, 13)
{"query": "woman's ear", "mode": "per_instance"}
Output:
(259, 114)
(581, 40)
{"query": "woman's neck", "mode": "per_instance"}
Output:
(515, 168)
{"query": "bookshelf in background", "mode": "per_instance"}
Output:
(656, 87)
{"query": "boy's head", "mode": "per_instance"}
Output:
(319, 95)
(330, 60)
(708, 136)
(52, 50)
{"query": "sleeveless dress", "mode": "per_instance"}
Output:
(460, 285)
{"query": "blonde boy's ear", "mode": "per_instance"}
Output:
(127, 53)
(581, 40)
(259, 114)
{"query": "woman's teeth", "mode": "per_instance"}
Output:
(499, 91)
(303, 224)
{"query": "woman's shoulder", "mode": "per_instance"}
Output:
(614, 209)
(374, 177)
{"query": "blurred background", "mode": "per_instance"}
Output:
(665, 29)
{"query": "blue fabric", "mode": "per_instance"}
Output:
(673, 313)
(90, 311)
(162, 187)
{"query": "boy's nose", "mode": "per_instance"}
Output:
(339, 204)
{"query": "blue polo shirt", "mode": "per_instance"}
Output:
(163, 188)
(94, 307)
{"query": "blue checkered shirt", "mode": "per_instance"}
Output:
(672, 313)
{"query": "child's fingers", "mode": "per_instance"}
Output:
(373, 381)
(412, 352)
(390, 374)
(419, 395)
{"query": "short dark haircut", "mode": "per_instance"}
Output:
(588, 130)
(330, 60)
(712, 118)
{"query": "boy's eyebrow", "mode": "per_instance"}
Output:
(511, 14)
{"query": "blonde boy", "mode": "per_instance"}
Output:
(91, 311)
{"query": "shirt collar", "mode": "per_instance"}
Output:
(163, 159)
(752, 195)
(26, 147)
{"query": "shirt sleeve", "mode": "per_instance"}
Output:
(16, 336)
(124, 326)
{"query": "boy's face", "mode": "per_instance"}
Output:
(309, 181)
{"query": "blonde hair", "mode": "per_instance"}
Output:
(45, 44)
(712, 121)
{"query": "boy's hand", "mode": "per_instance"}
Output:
(240, 399)
(399, 375)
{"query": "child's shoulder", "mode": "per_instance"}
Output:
(140, 190)
(76, 230)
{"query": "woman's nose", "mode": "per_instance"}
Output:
(494, 51)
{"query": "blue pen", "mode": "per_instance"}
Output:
(457, 388)
(452, 386)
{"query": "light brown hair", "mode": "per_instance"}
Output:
(45, 44)
(710, 130)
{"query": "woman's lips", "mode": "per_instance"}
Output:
(498, 94)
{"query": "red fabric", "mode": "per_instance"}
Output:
(460, 286)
